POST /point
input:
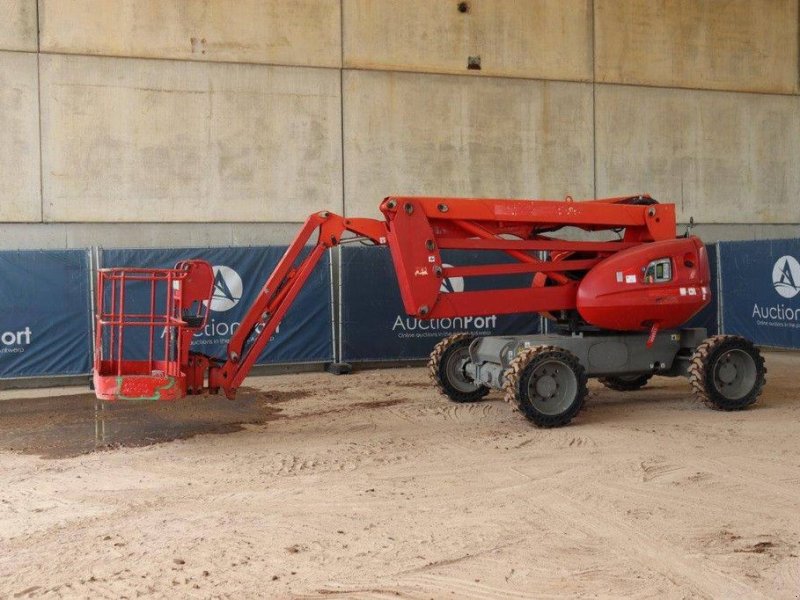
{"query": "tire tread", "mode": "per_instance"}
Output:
(512, 379)
(700, 370)
(435, 364)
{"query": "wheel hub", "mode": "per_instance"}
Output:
(552, 387)
(546, 386)
(727, 372)
(735, 374)
(455, 371)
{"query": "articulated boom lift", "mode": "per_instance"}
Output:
(616, 306)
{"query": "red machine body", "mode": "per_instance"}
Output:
(645, 278)
(619, 294)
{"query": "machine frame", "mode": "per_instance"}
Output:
(617, 303)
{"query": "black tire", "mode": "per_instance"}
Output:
(625, 383)
(547, 384)
(446, 368)
(640, 201)
(727, 372)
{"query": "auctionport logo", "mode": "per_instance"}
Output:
(451, 284)
(786, 282)
(227, 289)
(14, 342)
(786, 276)
(226, 294)
(413, 327)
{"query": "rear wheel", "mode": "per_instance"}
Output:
(625, 383)
(547, 384)
(446, 367)
(727, 372)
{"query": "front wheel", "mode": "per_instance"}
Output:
(548, 385)
(727, 372)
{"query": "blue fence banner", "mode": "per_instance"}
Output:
(304, 335)
(761, 291)
(45, 318)
(374, 325)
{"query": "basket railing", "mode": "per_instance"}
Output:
(146, 318)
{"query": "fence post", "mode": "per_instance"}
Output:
(720, 301)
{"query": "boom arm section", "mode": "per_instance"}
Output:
(277, 295)
(420, 227)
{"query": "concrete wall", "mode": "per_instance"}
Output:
(719, 156)
(198, 142)
(18, 27)
(300, 32)
(742, 45)
(178, 122)
(542, 39)
(437, 135)
(20, 198)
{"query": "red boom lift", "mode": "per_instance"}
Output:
(616, 305)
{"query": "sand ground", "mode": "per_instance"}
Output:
(373, 486)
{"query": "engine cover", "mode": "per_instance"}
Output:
(660, 283)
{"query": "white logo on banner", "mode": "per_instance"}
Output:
(226, 294)
(786, 276)
(786, 281)
(451, 284)
(14, 341)
(227, 289)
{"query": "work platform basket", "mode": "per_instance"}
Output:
(144, 326)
